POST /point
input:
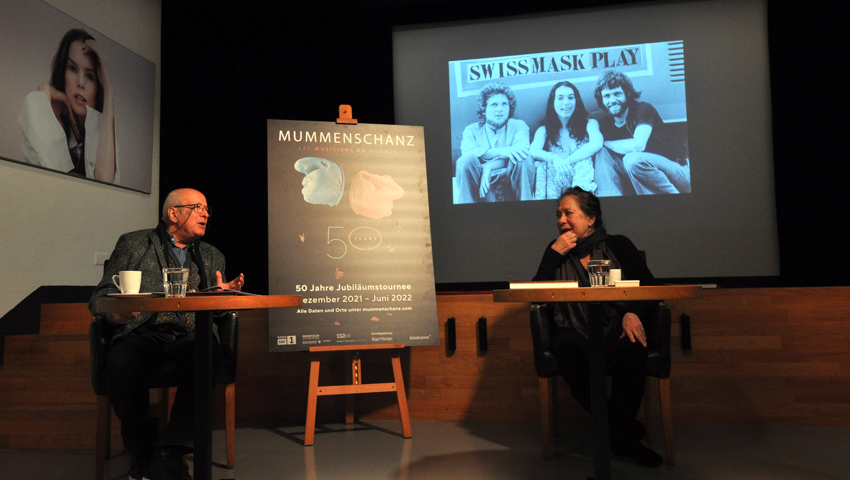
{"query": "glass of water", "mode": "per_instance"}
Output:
(598, 270)
(175, 281)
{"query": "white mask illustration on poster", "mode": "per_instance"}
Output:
(323, 182)
(372, 195)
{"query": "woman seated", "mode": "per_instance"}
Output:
(566, 143)
(582, 238)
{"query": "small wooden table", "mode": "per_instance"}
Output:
(596, 297)
(203, 349)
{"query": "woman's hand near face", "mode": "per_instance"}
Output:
(61, 108)
(565, 242)
(92, 48)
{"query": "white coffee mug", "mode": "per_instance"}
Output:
(614, 276)
(128, 281)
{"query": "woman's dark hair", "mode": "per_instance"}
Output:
(576, 125)
(60, 63)
(587, 202)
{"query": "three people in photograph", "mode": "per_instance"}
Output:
(69, 121)
(629, 150)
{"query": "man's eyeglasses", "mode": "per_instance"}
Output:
(197, 207)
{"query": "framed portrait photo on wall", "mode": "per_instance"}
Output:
(73, 100)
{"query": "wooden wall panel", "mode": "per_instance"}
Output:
(764, 356)
(64, 318)
(759, 357)
(46, 395)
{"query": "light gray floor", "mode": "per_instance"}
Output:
(481, 450)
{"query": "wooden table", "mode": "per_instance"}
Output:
(596, 297)
(203, 349)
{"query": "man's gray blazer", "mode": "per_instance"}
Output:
(142, 250)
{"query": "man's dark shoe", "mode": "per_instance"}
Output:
(168, 464)
(639, 452)
(635, 431)
(139, 461)
(638, 430)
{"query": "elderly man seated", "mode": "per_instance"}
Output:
(143, 340)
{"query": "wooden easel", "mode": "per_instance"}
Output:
(345, 114)
(355, 386)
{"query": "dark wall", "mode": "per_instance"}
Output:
(226, 68)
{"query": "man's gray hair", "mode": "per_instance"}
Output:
(173, 198)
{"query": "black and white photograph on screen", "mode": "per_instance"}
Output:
(73, 100)
(611, 120)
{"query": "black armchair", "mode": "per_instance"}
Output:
(100, 337)
(657, 327)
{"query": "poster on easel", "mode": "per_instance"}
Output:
(349, 231)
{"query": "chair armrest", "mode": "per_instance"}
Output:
(542, 326)
(658, 327)
(100, 336)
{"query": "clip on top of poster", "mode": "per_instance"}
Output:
(345, 115)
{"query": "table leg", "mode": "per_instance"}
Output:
(599, 395)
(203, 395)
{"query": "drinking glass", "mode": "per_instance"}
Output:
(175, 281)
(598, 271)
